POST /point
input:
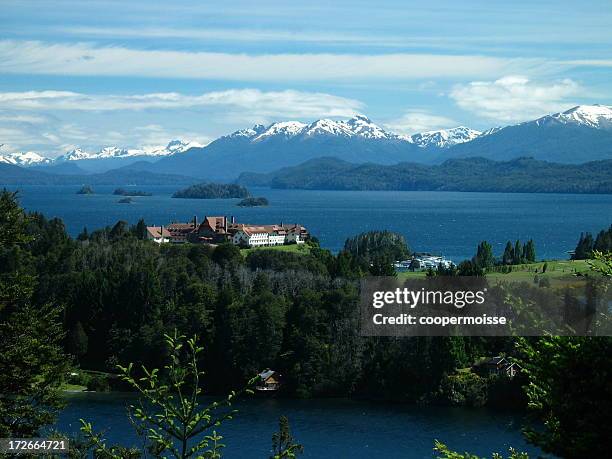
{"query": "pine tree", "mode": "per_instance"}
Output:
(484, 255)
(140, 230)
(32, 364)
(508, 256)
(529, 253)
(518, 252)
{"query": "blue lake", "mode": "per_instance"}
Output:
(449, 223)
(326, 428)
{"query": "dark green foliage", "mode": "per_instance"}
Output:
(519, 253)
(212, 191)
(569, 391)
(375, 251)
(529, 252)
(170, 415)
(508, 256)
(253, 202)
(524, 175)
(464, 389)
(484, 255)
(284, 261)
(32, 363)
(140, 230)
(446, 453)
(586, 244)
(283, 443)
(469, 268)
(227, 255)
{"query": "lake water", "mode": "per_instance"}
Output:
(326, 428)
(449, 223)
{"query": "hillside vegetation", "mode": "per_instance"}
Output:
(525, 175)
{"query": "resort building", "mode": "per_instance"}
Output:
(217, 230)
(158, 234)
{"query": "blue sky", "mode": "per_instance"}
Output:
(96, 73)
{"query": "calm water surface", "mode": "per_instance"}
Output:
(327, 428)
(450, 223)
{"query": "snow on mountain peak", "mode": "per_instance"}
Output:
(444, 138)
(283, 128)
(328, 127)
(595, 116)
(74, 155)
(29, 158)
(362, 126)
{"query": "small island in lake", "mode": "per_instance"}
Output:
(126, 201)
(213, 191)
(253, 202)
(124, 192)
(86, 189)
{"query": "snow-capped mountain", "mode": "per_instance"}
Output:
(288, 143)
(107, 158)
(174, 147)
(580, 134)
(594, 116)
(444, 138)
(357, 127)
(24, 159)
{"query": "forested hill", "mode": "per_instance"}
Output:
(15, 175)
(467, 174)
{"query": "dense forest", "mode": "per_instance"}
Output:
(525, 175)
(109, 297)
(212, 191)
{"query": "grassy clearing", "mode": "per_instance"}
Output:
(72, 387)
(303, 249)
(558, 272)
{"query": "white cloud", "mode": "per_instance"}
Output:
(514, 98)
(47, 121)
(35, 57)
(419, 121)
(287, 103)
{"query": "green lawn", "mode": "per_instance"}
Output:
(72, 387)
(558, 272)
(295, 248)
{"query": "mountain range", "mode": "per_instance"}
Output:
(105, 159)
(578, 135)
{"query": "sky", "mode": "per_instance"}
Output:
(96, 73)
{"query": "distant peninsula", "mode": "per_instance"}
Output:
(86, 189)
(253, 202)
(213, 191)
(124, 192)
(521, 175)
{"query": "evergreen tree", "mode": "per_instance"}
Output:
(518, 253)
(83, 235)
(529, 252)
(78, 340)
(508, 256)
(484, 255)
(584, 248)
(32, 364)
(283, 443)
(140, 230)
(119, 230)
